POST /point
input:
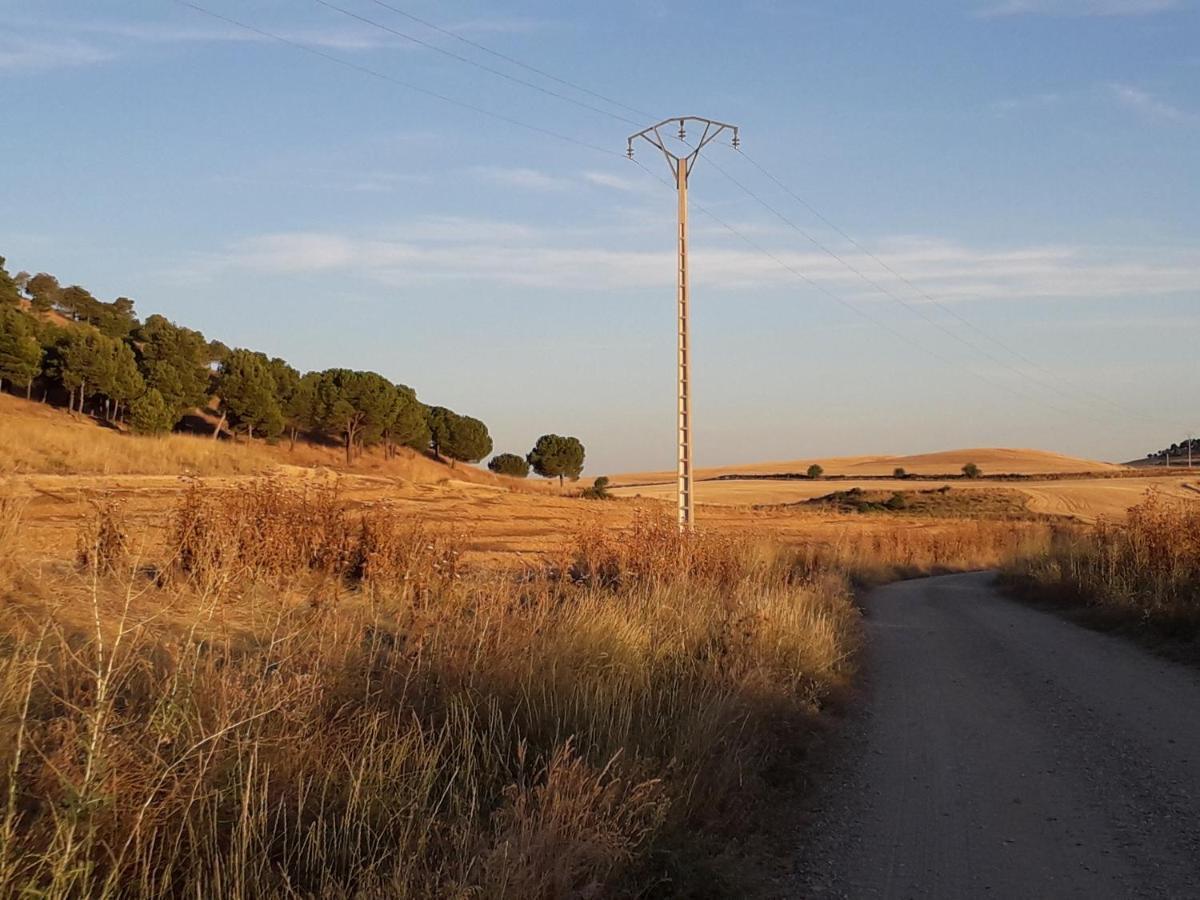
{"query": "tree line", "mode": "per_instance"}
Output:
(149, 375)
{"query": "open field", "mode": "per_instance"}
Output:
(1085, 500)
(500, 520)
(991, 460)
(473, 686)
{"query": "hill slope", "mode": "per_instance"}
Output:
(40, 439)
(992, 460)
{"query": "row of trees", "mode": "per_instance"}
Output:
(99, 359)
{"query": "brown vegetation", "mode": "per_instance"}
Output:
(1143, 572)
(302, 700)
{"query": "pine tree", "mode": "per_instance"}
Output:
(555, 456)
(20, 350)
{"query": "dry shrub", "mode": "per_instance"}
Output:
(439, 733)
(654, 551)
(102, 544)
(1147, 567)
(268, 531)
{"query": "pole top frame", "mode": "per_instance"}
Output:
(712, 130)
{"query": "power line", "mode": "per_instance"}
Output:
(879, 323)
(367, 70)
(512, 60)
(470, 62)
(873, 283)
(916, 310)
(925, 295)
(375, 73)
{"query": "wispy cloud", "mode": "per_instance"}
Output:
(1079, 8)
(1150, 106)
(17, 55)
(522, 179)
(616, 182)
(36, 45)
(500, 253)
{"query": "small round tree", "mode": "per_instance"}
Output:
(970, 470)
(815, 471)
(509, 464)
(899, 473)
(554, 456)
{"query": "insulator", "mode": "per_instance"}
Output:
(737, 142)
(629, 151)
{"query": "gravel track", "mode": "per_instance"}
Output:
(1004, 752)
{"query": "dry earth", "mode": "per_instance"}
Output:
(1085, 500)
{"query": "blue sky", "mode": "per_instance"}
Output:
(1029, 164)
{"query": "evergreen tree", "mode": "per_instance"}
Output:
(10, 292)
(174, 361)
(299, 411)
(354, 406)
(458, 437)
(555, 456)
(407, 425)
(151, 414)
(20, 350)
(83, 365)
(78, 304)
(43, 291)
(510, 464)
(247, 391)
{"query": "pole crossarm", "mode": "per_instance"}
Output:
(653, 135)
(681, 168)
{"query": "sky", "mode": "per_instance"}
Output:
(951, 224)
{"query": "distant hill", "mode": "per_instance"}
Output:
(991, 461)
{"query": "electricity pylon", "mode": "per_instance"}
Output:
(681, 168)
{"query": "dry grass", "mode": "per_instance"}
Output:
(56, 445)
(298, 701)
(877, 557)
(11, 511)
(1145, 570)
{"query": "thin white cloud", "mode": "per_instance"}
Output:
(1079, 8)
(616, 182)
(1150, 106)
(522, 179)
(42, 55)
(38, 45)
(498, 253)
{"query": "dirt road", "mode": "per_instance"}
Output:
(1004, 752)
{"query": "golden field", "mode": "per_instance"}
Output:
(236, 670)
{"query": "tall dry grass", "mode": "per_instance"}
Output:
(1146, 569)
(907, 550)
(298, 700)
(59, 446)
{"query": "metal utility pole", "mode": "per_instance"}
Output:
(681, 168)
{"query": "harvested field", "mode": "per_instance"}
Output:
(1085, 500)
